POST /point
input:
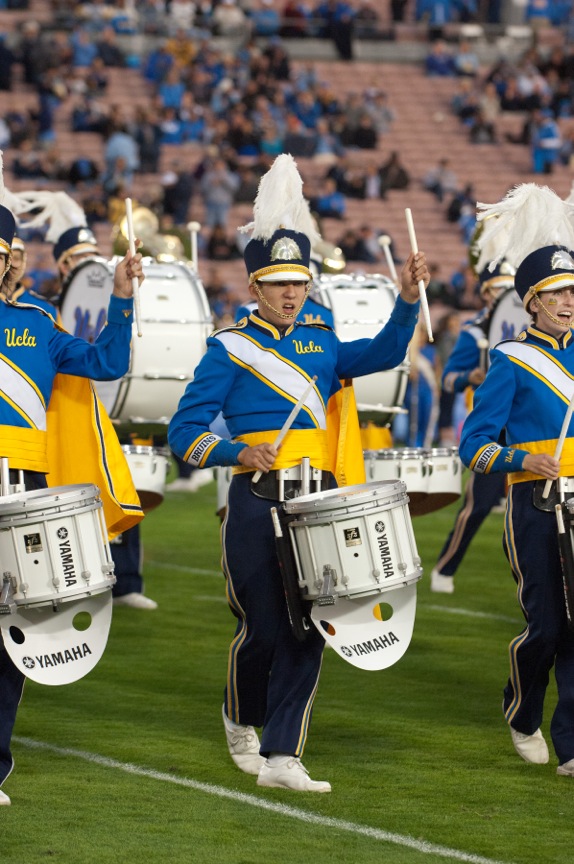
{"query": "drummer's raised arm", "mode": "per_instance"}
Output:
(128, 268)
(414, 270)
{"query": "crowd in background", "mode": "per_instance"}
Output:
(243, 108)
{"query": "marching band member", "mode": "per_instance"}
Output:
(33, 351)
(13, 288)
(526, 393)
(464, 369)
(254, 372)
(73, 246)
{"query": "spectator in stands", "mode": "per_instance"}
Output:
(147, 135)
(373, 187)
(378, 108)
(89, 115)
(265, 19)
(393, 173)
(327, 145)
(177, 184)
(83, 172)
(108, 49)
(157, 64)
(438, 291)
(297, 17)
(230, 20)
(349, 244)
(367, 21)
(546, 142)
(338, 22)
(439, 61)
(121, 146)
(217, 187)
(466, 62)
(180, 15)
(7, 60)
(329, 203)
(170, 91)
(84, 49)
(365, 136)
(441, 180)
(219, 247)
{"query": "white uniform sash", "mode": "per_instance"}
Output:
(278, 373)
(19, 391)
(542, 365)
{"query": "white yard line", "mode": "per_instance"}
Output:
(261, 803)
(434, 607)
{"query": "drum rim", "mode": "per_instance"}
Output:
(38, 499)
(303, 505)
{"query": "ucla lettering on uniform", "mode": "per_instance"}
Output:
(311, 348)
(309, 318)
(15, 341)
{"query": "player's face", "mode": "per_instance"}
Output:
(558, 304)
(279, 302)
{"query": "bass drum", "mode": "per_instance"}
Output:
(361, 306)
(507, 319)
(176, 321)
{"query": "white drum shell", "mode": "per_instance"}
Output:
(444, 472)
(148, 467)
(361, 306)
(362, 533)
(176, 321)
(53, 545)
(408, 464)
(507, 319)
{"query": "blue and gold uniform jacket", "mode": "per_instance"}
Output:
(526, 393)
(465, 356)
(23, 295)
(32, 351)
(255, 374)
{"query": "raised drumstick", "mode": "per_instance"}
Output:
(132, 247)
(422, 292)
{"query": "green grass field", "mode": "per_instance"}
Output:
(130, 763)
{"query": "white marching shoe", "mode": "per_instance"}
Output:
(290, 773)
(4, 800)
(135, 601)
(441, 584)
(532, 748)
(566, 769)
(243, 745)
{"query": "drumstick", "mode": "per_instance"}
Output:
(385, 242)
(422, 291)
(483, 346)
(193, 228)
(135, 283)
(289, 422)
(560, 443)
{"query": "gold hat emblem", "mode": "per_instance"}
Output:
(286, 249)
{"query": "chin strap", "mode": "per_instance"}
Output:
(549, 315)
(276, 311)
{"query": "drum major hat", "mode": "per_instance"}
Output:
(282, 231)
(548, 269)
(284, 256)
(501, 277)
(75, 241)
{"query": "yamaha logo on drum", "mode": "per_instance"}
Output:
(67, 561)
(33, 543)
(352, 537)
(28, 662)
(62, 533)
(384, 550)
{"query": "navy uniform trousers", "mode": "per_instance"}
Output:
(531, 545)
(482, 493)
(272, 677)
(11, 679)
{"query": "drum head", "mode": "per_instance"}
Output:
(371, 633)
(507, 319)
(58, 647)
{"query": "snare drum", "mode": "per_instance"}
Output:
(357, 564)
(409, 464)
(359, 538)
(176, 321)
(361, 306)
(444, 478)
(148, 467)
(53, 546)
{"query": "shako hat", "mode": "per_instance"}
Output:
(548, 269)
(18, 244)
(75, 241)
(533, 229)
(282, 230)
(494, 280)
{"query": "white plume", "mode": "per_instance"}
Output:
(14, 202)
(280, 203)
(528, 218)
(57, 209)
